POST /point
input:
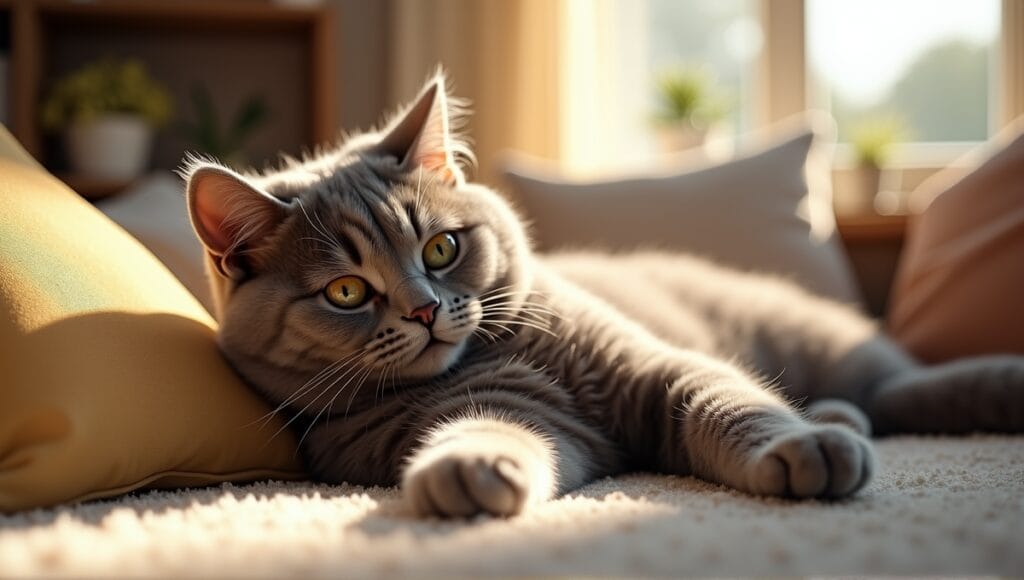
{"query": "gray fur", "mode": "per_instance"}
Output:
(555, 370)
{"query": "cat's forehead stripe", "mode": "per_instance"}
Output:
(410, 213)
(350, 248)
(357, 222)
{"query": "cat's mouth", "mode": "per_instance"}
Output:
(435, 357)
(435, 342)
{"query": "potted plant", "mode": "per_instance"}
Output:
(872, 140)
(108, 111)
(689, 107)
(225, 142)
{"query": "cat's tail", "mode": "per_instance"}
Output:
(974, 394)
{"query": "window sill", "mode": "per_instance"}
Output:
(930, 155)
(872, 228)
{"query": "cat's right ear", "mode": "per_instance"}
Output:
(229, 214)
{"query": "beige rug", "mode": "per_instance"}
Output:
(938, 506)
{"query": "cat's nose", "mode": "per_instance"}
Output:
(425, 313)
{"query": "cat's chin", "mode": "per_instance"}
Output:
(435, 359)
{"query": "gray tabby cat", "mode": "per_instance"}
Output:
(396, 314)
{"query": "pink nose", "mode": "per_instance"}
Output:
(425, 313)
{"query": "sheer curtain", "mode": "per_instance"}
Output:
(546, 77)
(503, 55)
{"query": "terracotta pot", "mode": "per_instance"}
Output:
(116, 146)
(860, 199)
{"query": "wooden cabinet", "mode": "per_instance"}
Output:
(232, 48)
(873, 245)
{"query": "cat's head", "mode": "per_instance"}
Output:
(376, 257)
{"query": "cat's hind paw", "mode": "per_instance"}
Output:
(826, 461)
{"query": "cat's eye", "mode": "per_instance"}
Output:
(347, 292)
(440, 251)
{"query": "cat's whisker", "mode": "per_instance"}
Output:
(378, 391)
(312, 383)
(329, 407)
(394, 375)
(507, 299)
(493, 338)
(525, 324)
(323, 375)
(523, 315)
(499, 325)
(418, 199)
(355, 391)
(489, 339)
(433, 178)
(492, 294)
(323, 228)
(541, 314)
(510, 316)
(527, 309)
(318, 240)
(330, 241)
(484, 299)
(317, 398)
(498, 289)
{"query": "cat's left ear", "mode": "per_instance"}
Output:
(424, 136)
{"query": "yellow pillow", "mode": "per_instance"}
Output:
(110, 379)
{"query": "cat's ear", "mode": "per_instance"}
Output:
(423, 135)
(229, 214)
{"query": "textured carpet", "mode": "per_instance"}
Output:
(938, 506)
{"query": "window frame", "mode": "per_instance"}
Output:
(785, 88)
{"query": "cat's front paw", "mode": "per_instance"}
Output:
(466, 484)
(827, 461)
(479, 466)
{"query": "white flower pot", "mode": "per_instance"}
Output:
(116, 146)
(680, 137)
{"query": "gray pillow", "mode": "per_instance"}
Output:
(769, 210)
(153, 210)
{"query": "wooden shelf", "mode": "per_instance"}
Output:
(192, 12)
(872, 228)
(92, 188)
(235, 48)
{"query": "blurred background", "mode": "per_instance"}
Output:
(104, 92)
(594, 85)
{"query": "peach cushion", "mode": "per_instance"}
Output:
(110, 379)
(959, 290)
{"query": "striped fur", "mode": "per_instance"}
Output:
(545, 372)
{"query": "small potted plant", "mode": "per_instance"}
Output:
(108, 111)
(690, 106)
(872, 140)
(223, 141)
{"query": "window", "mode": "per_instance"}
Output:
(946, 71)
(720, 36)
(926, 66)
(615, 51)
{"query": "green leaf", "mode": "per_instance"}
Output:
(250, 117)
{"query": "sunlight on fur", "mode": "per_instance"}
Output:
(485, 378)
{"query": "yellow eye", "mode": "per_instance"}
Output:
(347, 292)
(440, 251)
